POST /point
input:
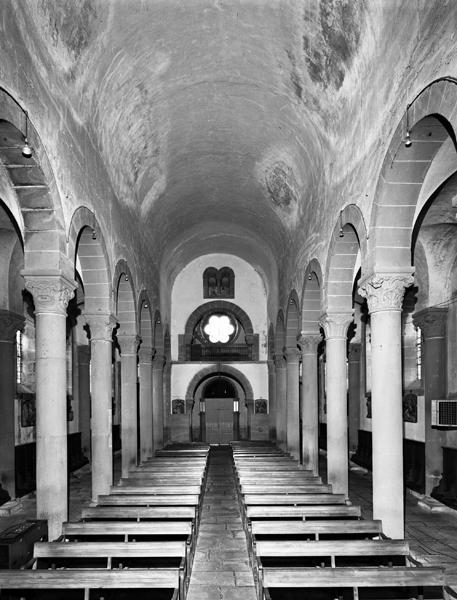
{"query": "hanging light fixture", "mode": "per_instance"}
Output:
(407, 136)
(341, 234)
(26, 150)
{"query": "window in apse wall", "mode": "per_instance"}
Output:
(218, 283)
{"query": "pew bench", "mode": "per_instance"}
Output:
(281, 468)
(140, 513)
(323, 529)
(286, 477)
(127, 531)
(119, 499)
(160, 478)
(331, 553)
(303, 512)
(85, 584)
(270, 487)
(293, 499)
(165, 489)
(350, 583)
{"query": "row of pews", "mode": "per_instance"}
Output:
(306, 542)
(136, 542)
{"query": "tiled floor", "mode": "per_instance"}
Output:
(221, 568)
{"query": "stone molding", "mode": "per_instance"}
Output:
(292, 354)
(279, 361)
(432, 322)
(335, 325)
(385, 291)
(10, 323)
(101, 327)
(308, 343)
(51, 294)
(128, 344)
(145, 355)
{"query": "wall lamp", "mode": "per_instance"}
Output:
(26, 150)
(407, 136)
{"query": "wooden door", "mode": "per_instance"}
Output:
(219, 420)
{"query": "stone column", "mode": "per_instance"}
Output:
(51, 295)
(293, 401)
(272, 399)
(384, 294)
(101, 330)
(84, 398)
(145, 375)
(308, 343)
(281, 406)
(354, 394)
(335, 326)
(157, 401)
(432, 322)
(129, 411)
(10, 323)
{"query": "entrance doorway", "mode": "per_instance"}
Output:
(219, 420)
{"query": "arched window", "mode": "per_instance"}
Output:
(218, 283)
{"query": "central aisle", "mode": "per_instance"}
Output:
(221, 568)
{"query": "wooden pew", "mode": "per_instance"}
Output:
(354, 580)
(139, 513)
(281, 488)
(161, 478)
(93, 579)
(165, 489)
(293, 499)
(328, 529)
(126, 530)
(255, 468)
(284, 477)
(148, 500)
(330, 553)
(303, 512)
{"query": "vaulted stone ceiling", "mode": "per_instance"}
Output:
(235, 125)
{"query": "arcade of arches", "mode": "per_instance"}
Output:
(225, 235)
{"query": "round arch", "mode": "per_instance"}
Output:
(311, 298)
(292, 320)
(218, 306)
(145, 328)
(429, 117)
(124, 300)
(219, 369)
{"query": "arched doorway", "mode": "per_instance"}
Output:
(220, 405)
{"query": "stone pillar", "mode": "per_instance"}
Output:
(335, 326)
(51, 295)
(432, 322)
(157, 401)
(384, 294)
(272, 399)
(10, 323)
(129, 411)
(293, 401)
(308, 343)
(354, 394)
(84, 398)
(281, 406)
(145, 375)
(101, 330)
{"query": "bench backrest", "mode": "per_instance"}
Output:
(148, 500)
(168, 489)
(284, 477)
(303, 512)
(294, 499)
(109, 549)
(332, 548)
(269, 487)
(127, 528)
(139, 512)
(362, 527)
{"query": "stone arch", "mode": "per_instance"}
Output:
(292, 320)
(86, 242)
(145, 328)
(429, 117)
(347, 243)
(33, 182)
(218, 306)
(219, 369)
(125, 303)
(311, 298)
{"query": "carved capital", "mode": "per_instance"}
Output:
(51, 293)
(279, 361)
(308, 342)
(101, 326)
(292, 354)
(10, 323)
(128, 344)
(145, 355)
(432, 322)
(335, 325)
(385, 291)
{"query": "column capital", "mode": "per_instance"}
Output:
(292, 354)
(145, 354)
(101, 326)
(335, 325)
(385, 291)
(51, 293)
(128, 344)
(10, 322)
(308, 342)
(279, 361)
(432, 322)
